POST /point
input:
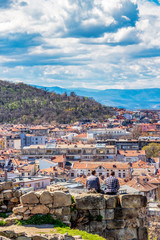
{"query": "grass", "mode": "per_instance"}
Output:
(74, 232)
(2, 222)
(41, 219)
(4, 215)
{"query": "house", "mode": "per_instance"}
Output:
(142, 185)
(140, 168)
(38, 182)
(122, 170)
(131, 155)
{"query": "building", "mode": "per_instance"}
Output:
(131, 155)
(79, 169)
(73, 152)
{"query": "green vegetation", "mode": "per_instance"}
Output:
(21, 103)
(3, 215)
(152, 150)
(74, 232)
(41, 219)
(99, 218)
(2, 223)
(72, 199)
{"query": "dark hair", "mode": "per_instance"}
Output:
(93, 172)
(112, 173)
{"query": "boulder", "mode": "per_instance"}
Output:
(14, 200)
(29, 198)
(90, 201)
(126, 213)
(115, 224)
(19, 210)
(142, 233)
(46, 198)
(97, 226)
(132, 201)
(39, 237)
(111, 201)
(107, 214)
(7, 194)
(40, 209)
(61, 199)
(5, 186)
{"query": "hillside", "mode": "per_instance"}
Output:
(26, 104)
(128, 98)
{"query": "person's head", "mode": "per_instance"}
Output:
(93, 172)
(112, 173)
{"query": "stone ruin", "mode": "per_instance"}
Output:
(112, 217)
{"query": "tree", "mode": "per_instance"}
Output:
(152, 150)
(136, 132)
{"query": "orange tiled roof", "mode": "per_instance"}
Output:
(131, 153)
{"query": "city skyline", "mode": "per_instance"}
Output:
(94, 44)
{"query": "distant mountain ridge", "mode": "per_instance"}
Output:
(132, 99)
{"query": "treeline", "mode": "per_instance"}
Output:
(21, 103)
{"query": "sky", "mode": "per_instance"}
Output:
(98, 44)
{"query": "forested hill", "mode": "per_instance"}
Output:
(21, 103)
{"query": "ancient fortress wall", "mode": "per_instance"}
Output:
(113, 217)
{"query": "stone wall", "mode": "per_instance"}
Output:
(57, 203)
(113, 217)
(9, 197)
(6, 235)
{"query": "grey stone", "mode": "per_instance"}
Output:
(90, 201)
(126, 213)
(61, 199)
(46, 198)
(29, 198)
(132, 201)
(40, 209)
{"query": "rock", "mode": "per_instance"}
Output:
(23, 238)
(61, 199)
(111, 201)
(121, 234)
(29, 198)
(7, 194)
(1, 195)
(20, 209)
(90, 201)
(95, 226)
(27, 212)
(5, 186)
(39, 237)
(107, 214)
(142, 233)
(17, 193)
(114, 224)
(46, 198)
(132, 201)
(40, 209)
(57, 211)
(14, 200)
(126, 213)
(3, 207)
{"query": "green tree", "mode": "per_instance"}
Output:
(152, 150)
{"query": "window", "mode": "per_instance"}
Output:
(124, 175)
(107, 174)
(72, 174)
(119, 175)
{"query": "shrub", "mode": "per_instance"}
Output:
(41, 219)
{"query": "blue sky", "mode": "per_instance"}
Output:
(99, 44)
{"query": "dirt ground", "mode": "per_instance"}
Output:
(30, 229)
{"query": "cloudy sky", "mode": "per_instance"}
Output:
(97, 44)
